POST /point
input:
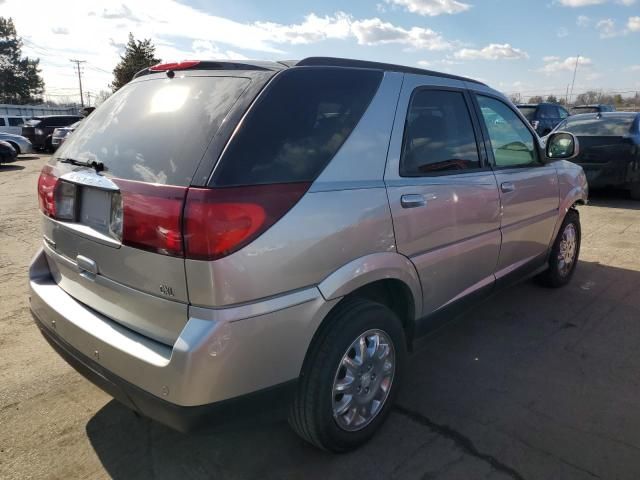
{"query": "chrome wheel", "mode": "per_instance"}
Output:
(568, 248)
(363, 380)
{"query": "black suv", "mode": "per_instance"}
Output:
(39, 129)
(543, 116)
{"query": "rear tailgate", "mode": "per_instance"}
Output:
(149, 138)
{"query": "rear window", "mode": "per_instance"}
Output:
(32, 122)
(528, 112)
(598, 127)
(155, 130)
(297, 126)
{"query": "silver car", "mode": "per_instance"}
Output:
(219, 237)
(60, 134)
(19, 143)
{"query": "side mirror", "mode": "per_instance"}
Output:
(562, 146)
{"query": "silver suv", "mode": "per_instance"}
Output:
(220, 235)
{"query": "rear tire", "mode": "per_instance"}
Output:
(564, 253)
(320, 413)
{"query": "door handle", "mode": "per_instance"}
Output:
(412, 200)
(507, 187)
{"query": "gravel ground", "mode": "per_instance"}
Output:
(534, 384)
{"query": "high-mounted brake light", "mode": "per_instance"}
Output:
(220, 221)
(184, 65)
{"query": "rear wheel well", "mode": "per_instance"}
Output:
(396, 296)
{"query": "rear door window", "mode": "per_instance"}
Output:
(15, 121)
(528, 112)
(2, 123)
(297, 126)
(155, 130)
(439, 136)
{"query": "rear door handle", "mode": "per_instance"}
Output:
(507, 187)
(412, 200)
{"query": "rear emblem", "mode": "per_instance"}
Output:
(166, 290)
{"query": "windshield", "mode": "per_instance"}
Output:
(155, 130)
(528, 112)
(598, 126)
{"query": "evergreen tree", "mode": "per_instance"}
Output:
(20, 80)
(138, 54)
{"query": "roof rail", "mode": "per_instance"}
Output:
(346, 62)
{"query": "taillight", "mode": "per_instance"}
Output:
(151, 217)
(220, 221)
(46, 191)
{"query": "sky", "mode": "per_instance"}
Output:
(525, 46)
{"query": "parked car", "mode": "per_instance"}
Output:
(19, 143)
(609, 148)
(11, 124)
(287, 243)
(7, 153)
(597, 108)
(39, 130)
(543, 116)
(60, 134)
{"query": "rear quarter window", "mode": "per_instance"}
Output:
(297, 126)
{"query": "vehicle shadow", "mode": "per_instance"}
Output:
(29, 157)
(506, 379)
(10, 168)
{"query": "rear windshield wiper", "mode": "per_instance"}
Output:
(95, 164)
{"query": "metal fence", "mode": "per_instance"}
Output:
(36, 110)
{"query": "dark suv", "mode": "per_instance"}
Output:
(40, 129)
(543, 116)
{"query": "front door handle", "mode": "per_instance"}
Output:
(507, 187)
(412, 200)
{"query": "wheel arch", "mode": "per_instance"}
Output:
(15, 146)
(388, 278)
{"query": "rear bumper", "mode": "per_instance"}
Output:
(221, 356)
(611, 174)
(180, 418)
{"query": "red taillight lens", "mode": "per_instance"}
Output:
(220, 221)
(163, 67)
(152, 216)
(46, 191)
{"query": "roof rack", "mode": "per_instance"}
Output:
(346, 62)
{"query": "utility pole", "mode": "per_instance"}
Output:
(566, 97)
(574, 76)
(78, 62)
(88, 99)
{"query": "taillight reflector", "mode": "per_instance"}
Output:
(152, 216)
(163, 67)
(46, 191)
(220, 221)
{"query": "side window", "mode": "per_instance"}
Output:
(2, 124)
(512, 143)
(15, 121)
(563, 113)
(438, 135)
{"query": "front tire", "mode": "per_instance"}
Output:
(564, 253)
(350, 377)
